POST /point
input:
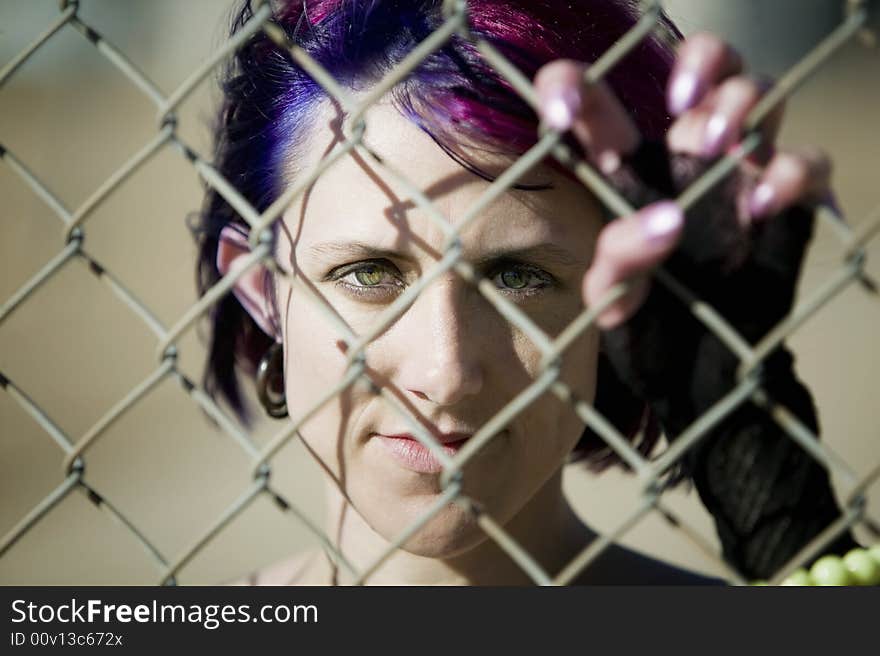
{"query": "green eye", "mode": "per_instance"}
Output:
(369, 275)
(522, 280)
(515, 279)
(373, 281)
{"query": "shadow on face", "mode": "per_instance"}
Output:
(355, 242)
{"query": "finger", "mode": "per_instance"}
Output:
(717, 123)
(703, 60)
(791, 178)
(591, 111)
(629, 248)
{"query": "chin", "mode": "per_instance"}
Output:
(450, 533)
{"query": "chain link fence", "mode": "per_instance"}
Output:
(73, 250)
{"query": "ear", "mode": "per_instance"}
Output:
(232, 249)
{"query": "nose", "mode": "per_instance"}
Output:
(440, 351)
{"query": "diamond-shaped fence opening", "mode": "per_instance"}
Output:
(84, 465)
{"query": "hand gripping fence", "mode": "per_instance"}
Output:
(649, 471)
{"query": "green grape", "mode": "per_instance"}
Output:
(798, 577)
(829, 570)
(863, 569)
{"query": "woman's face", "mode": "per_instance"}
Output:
(357, 239)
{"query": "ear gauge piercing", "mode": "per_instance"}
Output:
(270, 381)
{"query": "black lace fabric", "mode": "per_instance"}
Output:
(767, 495)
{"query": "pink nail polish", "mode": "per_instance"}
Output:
(661, 222)
(608, 162)
(562, 105)
(760, 200)
(683, 92)
(714, 136)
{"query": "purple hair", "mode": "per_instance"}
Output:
(453, 95)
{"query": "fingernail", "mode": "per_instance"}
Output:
(562, 105)
(608, 162)
(683, 92)
(661, 222)
(760, 200)
(714, 135)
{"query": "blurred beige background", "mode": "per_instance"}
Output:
(73, 118)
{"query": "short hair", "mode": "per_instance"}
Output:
(453, 95)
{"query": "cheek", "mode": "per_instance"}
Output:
(578, 359)
(314, 365)
(311, 350)
(551, 424)
(579, 364)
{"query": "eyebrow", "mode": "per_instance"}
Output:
(544, 253)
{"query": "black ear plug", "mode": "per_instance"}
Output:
(767, 495)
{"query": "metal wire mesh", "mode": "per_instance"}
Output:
(74, 222)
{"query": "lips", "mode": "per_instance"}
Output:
(407, 451)
(443, 438)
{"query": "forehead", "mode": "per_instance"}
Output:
(356, 198)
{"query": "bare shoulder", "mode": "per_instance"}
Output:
(301, 569)
(622, 566)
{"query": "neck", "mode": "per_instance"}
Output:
(547, 528)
